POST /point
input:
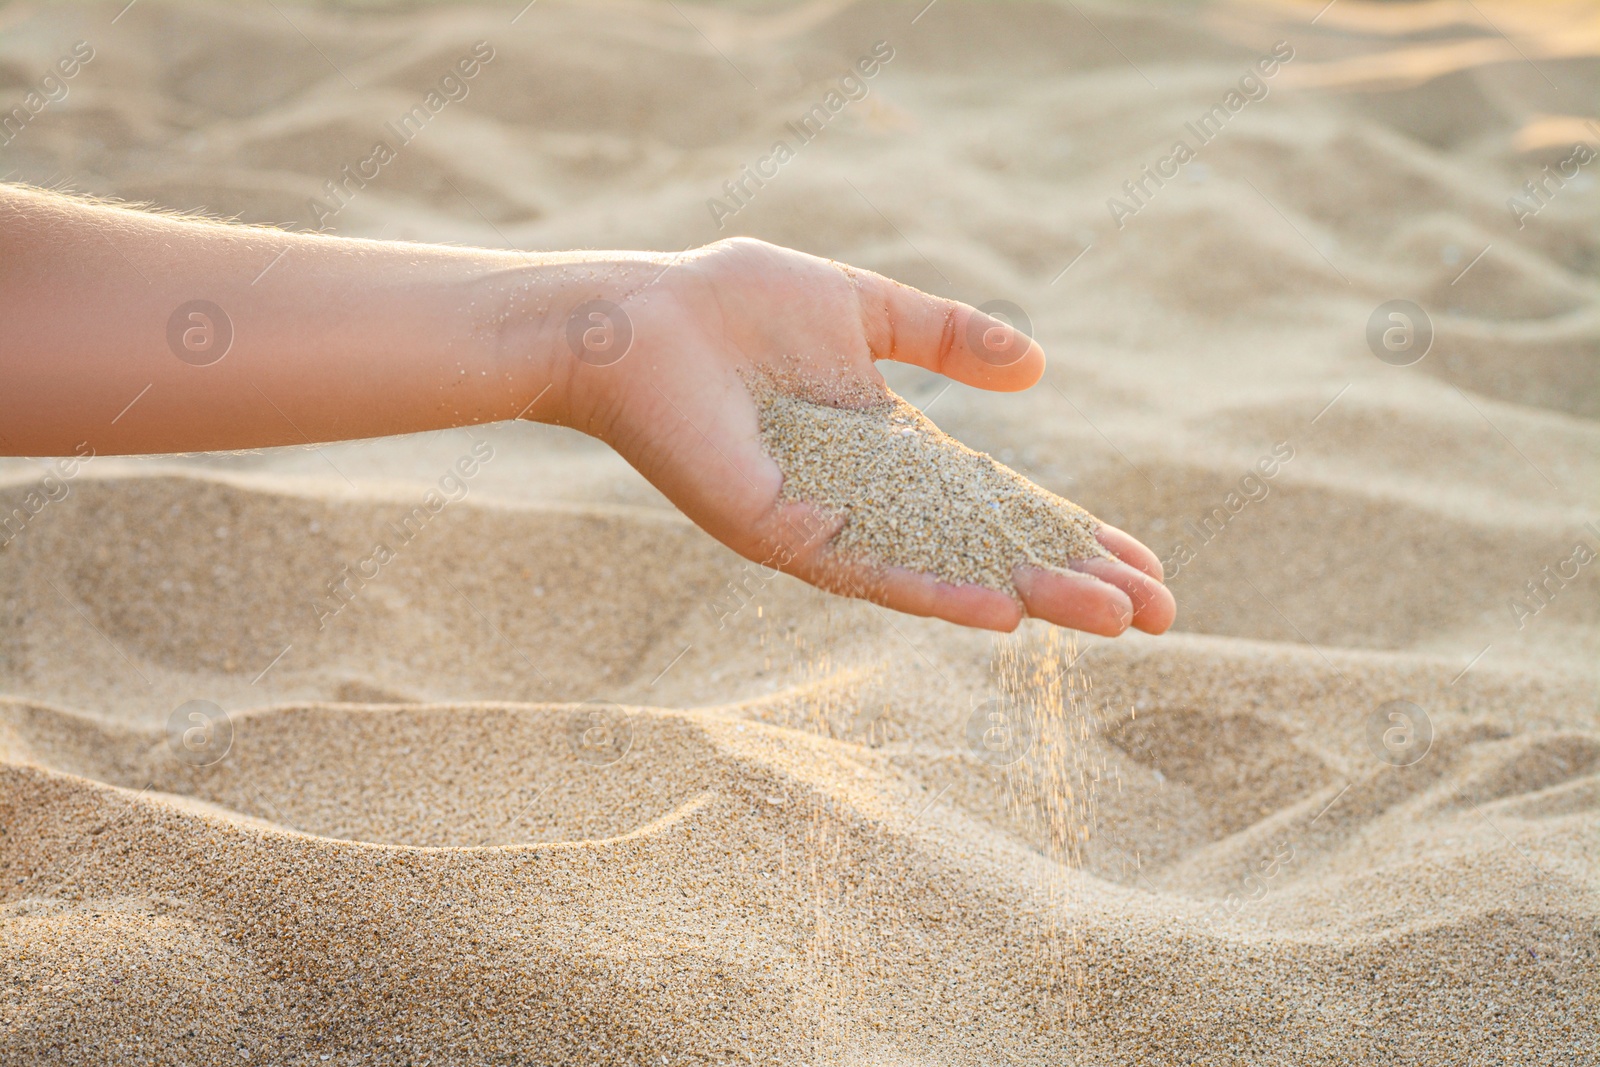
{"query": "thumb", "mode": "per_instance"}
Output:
(945, 336)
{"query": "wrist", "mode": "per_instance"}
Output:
(564, 323)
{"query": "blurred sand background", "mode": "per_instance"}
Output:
(796, 843)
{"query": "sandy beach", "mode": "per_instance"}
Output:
(564, 781)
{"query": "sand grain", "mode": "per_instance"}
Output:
(914, 497)
(802, 858)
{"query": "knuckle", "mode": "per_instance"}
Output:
(741, 244)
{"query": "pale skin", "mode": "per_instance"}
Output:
(335, 339)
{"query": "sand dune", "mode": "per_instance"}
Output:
(567, 782)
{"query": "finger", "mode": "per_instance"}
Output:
(912, 592)
(1130, 550)
(967, 605)
(1153, 605)
(1080, 601)
(1099, 596)
(797, 539)
(945, 336)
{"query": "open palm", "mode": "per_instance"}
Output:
(677, 406)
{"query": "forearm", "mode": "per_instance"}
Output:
(330, 338)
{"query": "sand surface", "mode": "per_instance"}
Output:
(569, 783)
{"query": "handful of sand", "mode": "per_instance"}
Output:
(915, 497)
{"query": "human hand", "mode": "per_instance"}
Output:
(678, 407)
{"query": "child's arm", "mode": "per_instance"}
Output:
(115, 323)
(330, 339)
